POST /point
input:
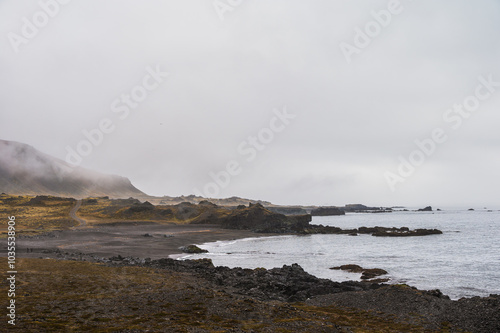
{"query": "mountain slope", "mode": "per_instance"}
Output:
(25, 170)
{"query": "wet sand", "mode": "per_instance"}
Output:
(135, 239)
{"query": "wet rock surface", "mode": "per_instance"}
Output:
(367, 274)
(192, 249)
(259, 219)
(430, 309)
(288, 283)
(374, 231)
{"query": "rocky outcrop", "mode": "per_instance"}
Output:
(255, 217)
(352, 268)
(371, 273)
(140, 207)
(287, 210)
(327, 211)
(288, 283)
(374, 231)
(192, 249)
(426, 209)
(395, 232)
(259, 219)
(367, 273)
(408, 304)
(186, 210)
(359, 208)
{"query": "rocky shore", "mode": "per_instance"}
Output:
(202, 296)
(429, 309)
(259, 219)
(374, 231)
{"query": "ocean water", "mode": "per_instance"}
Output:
(462, 262)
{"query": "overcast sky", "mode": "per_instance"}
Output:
(358, 102)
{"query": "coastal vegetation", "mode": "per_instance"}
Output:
(36, 214)
(78, 296)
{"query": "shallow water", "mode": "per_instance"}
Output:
(463, 262)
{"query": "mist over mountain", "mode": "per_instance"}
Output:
(27, 171)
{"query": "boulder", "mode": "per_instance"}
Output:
(350, 268)
(192, 249)
(367, 273)
(139, 208)
(372, 272)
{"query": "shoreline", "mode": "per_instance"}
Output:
(137, 240)
(127, 239)
(195, 295)
(142, 250)
(452, 291)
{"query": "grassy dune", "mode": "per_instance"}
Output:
(35, 216)
(43, 214)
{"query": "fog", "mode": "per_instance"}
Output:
(293, 102)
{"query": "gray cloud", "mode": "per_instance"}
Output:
(226, 77)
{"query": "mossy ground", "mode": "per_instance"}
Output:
(53, 213)
(101, 210)
(48, 215)
(71, 296)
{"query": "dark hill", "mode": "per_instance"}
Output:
(27, 171)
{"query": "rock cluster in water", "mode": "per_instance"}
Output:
(259, 219)
(327, 211)
(367, 274)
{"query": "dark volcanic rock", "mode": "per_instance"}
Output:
(368, 273)
(374, 231)
(186, 210)
(288, 283)
(426, 209)
(358, 208)
(207, 204)
(430, 310)
(192, 249)
(372, 273)
(327, 211)
(399, 233)
(350, 268)
(287, 210)
(259, 219)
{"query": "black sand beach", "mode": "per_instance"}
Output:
(133, 239)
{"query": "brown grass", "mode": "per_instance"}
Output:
(69, 296)
(52, 214)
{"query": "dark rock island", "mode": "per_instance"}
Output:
(327, 211)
